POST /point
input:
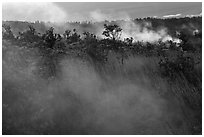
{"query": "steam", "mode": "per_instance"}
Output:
(145, 33)
(172, 16)
(51, 12)
(194, 15)
(117, 109)
(33, 11)
(139, 32)
(81, 100)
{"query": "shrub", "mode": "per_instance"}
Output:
(181, 64)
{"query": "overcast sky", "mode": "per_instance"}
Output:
(80, 11)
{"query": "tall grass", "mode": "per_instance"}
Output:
(94, 98)
(184, 98)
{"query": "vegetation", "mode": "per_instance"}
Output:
(174, 72)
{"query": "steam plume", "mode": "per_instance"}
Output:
(31, 11)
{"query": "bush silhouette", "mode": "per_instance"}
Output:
(112, 31)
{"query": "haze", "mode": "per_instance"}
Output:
(97, 11)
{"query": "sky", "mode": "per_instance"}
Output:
(97, 11)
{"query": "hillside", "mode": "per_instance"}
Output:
(142, 76)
